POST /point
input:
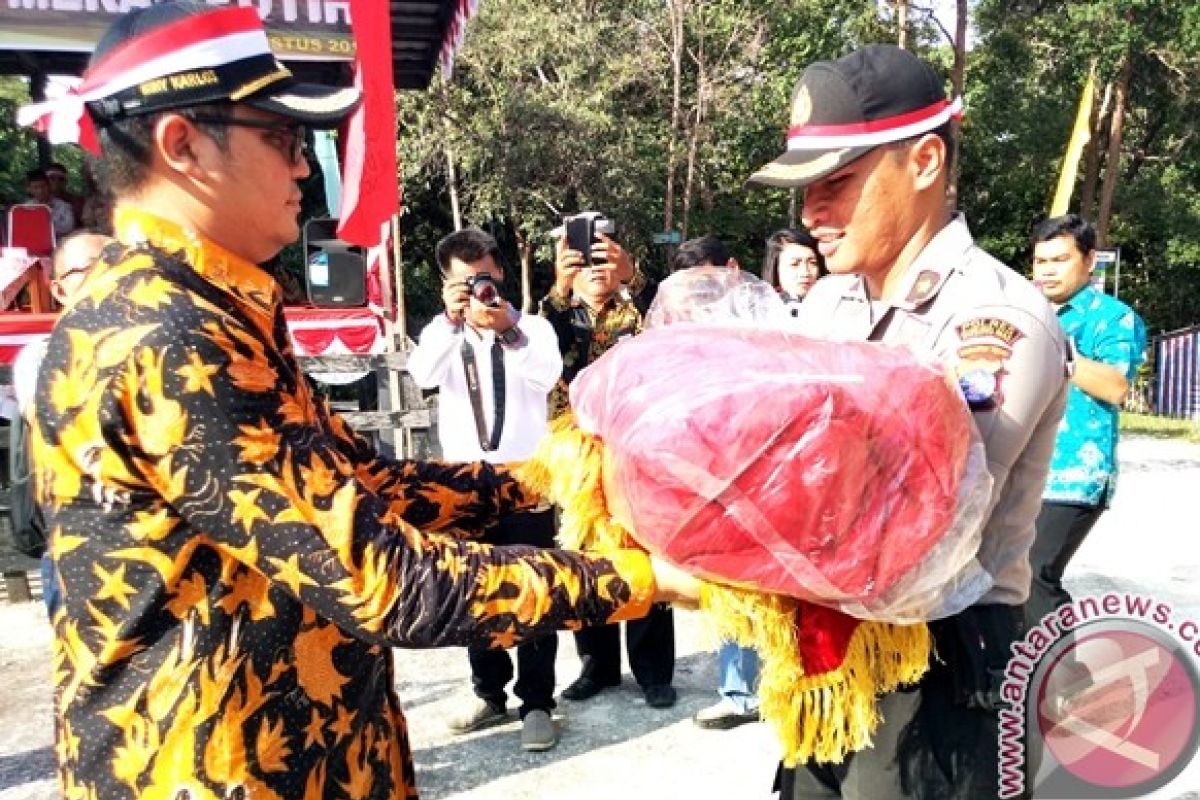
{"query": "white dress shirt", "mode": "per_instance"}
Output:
(530, 372)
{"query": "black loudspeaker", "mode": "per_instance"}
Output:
(335, 272)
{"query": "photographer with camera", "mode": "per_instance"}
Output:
(590, 314)
(493, 368)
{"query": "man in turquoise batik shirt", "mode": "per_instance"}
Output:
(1110, 342)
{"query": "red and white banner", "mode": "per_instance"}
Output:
(455, 35)
(19, 328)
(370, 195)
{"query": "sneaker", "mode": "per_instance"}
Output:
(659, 696)
(723, 716)
(538, 731)
(480, 714)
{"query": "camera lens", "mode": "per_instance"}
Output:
(485, 292)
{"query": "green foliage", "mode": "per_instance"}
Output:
(17, 145)
(1159, 427)
(1023, 83)
(556, 107)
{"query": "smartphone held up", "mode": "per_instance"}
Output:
(583, 232)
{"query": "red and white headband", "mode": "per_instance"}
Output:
(204, 41)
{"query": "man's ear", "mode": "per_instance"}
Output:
(928, 160)
(179, 145)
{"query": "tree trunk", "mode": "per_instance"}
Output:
(689, 183)
(694, 134)
(525, 253)
(526, 250)
(452, 184)
(676, 10)
(902, 23)
(1112, 166)
(958, 81)
(1091, 158)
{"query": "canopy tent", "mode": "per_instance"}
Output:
(39, 38)
(55, 37)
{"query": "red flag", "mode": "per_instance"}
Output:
(369, 195)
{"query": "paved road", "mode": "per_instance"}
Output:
(615, 746)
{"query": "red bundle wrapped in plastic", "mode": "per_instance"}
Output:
(839, 473)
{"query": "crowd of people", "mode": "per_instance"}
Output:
(234, 564)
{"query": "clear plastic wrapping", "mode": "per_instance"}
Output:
(845, 474)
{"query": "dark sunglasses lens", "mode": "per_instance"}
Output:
(299, 142)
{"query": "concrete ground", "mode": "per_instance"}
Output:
(615, 746)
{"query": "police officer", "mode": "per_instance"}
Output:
(869, 144)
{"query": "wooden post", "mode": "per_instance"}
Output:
(17, 584)
(398, 279)
(398, 337)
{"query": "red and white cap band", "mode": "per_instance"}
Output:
(875, 132)
(202, 42)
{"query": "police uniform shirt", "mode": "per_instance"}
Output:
(1000, 336)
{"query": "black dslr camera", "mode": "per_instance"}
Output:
(482, 287)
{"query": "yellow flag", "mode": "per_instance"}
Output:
(1079, 138)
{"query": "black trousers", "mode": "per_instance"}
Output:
(1061, 529)
(933, 743)
(492, 669)
(649, 643)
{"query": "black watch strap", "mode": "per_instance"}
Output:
(510, 337)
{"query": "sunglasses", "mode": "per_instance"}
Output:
(289, 138)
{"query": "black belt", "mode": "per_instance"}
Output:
(471, 368)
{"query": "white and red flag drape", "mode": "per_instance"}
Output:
(371, 194)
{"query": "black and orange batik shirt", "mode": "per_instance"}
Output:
(585, 334)
(236, 563)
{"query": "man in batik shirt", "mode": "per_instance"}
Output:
(1109, 342)
(590, 307)
(590, 315)
(235, 562)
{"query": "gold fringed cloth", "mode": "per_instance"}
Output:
(821, 669)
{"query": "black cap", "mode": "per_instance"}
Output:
(181, 54)
(843, 109)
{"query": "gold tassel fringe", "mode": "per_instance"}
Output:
(568, 469)
(819, 717)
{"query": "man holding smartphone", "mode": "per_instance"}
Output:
(589, 315)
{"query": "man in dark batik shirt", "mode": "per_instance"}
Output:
(590, 315)
(235, 562)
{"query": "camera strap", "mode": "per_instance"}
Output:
(471, 370)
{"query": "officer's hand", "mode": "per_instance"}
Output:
(566, 267)
(674, 585)
(617, 257)
(456, 298)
